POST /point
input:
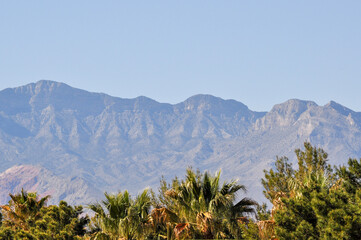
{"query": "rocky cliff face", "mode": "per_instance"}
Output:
(101, 143)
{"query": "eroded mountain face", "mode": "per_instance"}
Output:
(108, 144)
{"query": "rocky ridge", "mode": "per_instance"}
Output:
(101, 143)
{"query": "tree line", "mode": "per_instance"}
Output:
(312, 201)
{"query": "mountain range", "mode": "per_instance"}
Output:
(75, 145)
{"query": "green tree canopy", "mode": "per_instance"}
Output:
(120, 216)
(26, 216)
(313, 202)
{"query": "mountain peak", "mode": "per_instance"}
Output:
(284, 114)
(206, 102)
(21, 169)
(48, 82)
(293, 107)
(294, 103)
(36, 87)
(39, 95)
(203, 97)
(339, 108)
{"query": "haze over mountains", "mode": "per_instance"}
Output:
(75, 144)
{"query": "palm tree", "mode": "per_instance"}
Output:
(236, 215)
(161, 221)
(119, 216)
(203, 205)
(23, 209)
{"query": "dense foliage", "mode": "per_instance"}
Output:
(311, 201)
(201, 207)
(27, 217)
(197, 207)
(120, 216)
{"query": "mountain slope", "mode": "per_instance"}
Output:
(113, 143)
(42, 181)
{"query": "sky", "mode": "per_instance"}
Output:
(260, 53)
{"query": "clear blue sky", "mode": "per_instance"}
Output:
(258, 52)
